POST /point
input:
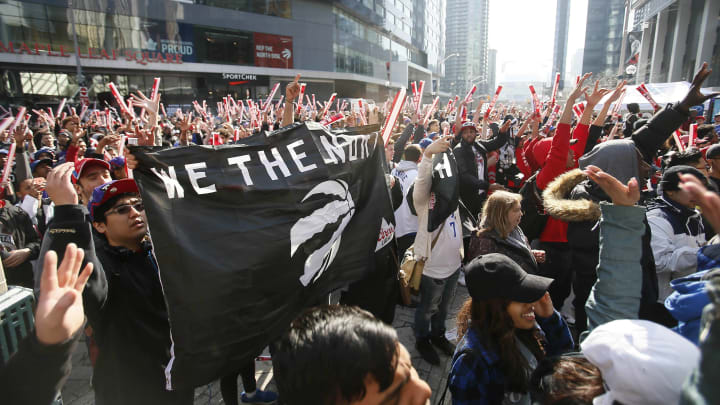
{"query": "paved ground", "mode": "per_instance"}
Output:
(78, 390)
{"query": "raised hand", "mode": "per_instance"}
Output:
(708, 201)
(544, 306)
(694, 96)
(440, 145)
(596, 96)
(292, 91)
(59, 313)
(151, 106)
(617, 92)
(624, 195)
(59, 187)
(579, 89)
(19, 135)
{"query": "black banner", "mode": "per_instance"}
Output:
(445, 189)
(248, 235)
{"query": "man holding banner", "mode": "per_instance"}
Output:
(123, 299)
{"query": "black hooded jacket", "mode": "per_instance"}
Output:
(470, 183)
(126, 308)
(17, 232)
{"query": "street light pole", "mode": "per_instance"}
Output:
(78, 66)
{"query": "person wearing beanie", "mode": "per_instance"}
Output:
(677, 233)
(506, 327)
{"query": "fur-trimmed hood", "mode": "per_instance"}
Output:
(557, 202)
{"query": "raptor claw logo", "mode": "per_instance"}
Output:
(338, 212)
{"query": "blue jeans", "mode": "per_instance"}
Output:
(435, 297)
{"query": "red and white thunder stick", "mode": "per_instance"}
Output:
(60, 107)
(554, 114)
(270, 96)
(153, 93)
(578, 109)
(300, 97)
(20, 115)
(492, 102)
(334, 118)
(361, 107)
(693, 135)
(678, 142)
(393, 115)
(555, 89)
(413, 88)
(8, 165)
(328, 104)
(645, 93)
(430, 111)
(616, 108)
(108, 119)
(119, 99)
(418, 102)
(5, 123)
(536, 100)
(468, 97)
(83, 110)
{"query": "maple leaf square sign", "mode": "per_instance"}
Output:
(248, 235)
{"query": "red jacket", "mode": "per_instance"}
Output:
(556, 164)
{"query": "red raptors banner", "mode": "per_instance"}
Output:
(273, 50)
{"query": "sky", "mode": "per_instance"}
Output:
(523, 32)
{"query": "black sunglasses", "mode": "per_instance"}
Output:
(125, 208)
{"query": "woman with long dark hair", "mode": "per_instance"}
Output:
(506, 327)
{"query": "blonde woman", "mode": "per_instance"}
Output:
(500, 232)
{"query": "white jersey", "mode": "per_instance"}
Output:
(405, 221)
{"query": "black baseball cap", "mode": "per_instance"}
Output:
(497, 276)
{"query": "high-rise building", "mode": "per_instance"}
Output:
(206, 49)
(677, 37)
(492, 69)
(562, 24)
(466, 36)
(603, 39)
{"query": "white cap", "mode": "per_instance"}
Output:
(641, 362)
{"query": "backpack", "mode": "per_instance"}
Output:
(534, 216)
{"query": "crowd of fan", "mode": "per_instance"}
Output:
(615, 213)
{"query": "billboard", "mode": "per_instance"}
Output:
(273, 50)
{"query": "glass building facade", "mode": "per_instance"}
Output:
(197, 48)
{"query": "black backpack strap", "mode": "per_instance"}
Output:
(456, 356)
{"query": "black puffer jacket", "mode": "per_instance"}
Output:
(126, 309)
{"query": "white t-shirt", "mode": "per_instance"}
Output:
(445, 257)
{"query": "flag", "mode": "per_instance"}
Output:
(247, 235)
(444, 191)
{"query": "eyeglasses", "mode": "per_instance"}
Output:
(125, 208)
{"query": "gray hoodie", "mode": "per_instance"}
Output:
(618, 158)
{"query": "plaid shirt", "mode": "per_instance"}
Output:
(476, 378)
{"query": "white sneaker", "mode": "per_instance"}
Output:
(461, 279)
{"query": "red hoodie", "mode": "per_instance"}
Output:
(556, 164)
